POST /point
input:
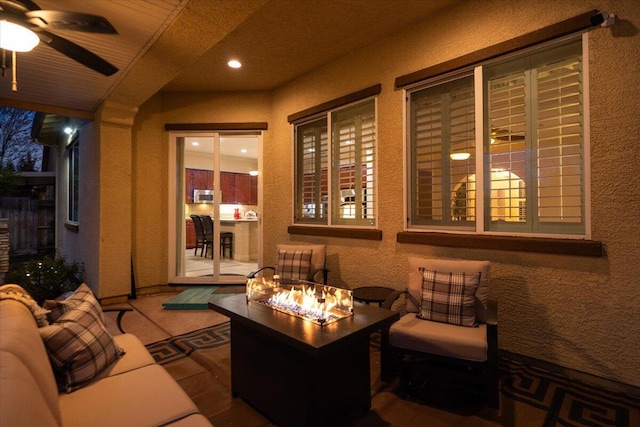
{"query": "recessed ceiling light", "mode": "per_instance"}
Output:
(234, 63)
(243, 150)
(195, 143)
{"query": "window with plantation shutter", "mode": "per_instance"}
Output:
(535, 167)
(312, 188)
(533, 150)
(353, 144)
(443, 154)
(335, 171)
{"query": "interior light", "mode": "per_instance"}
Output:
(253, 173)
(195, 143)
(460, 156)
(234, 63)
(243, 150)
(17, 38)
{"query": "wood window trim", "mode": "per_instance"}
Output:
(560, 29)
(348, 233)
(216, 126)
(335, 103)
(590, 248)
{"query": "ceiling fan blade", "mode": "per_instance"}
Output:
(18, 6)
(76, 52)
(74, 21)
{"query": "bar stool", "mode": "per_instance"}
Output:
(226, 242)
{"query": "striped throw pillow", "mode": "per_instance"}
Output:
(449, 297)
(293, 265)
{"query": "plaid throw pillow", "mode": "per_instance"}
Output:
(449, 297)
(69, 301)
(293, 265)
(79, 347)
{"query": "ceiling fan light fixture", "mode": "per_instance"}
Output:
(17, 38)
(460, 156)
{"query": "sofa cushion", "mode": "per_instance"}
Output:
(135, 356)
(22, 402)
(19, 337)
(148, 396)
(414, 295)
(79, 346)
(70, 300)
(293, 265)
(443, 339)
(449, 297)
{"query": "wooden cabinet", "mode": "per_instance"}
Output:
(197, 179)
(237, 188)
(190, 235)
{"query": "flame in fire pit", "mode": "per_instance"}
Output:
(316, 303)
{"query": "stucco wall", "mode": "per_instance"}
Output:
(572, 311)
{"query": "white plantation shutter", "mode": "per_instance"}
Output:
(535, 170)
(442, 190)
(353, 183)
(311, 170)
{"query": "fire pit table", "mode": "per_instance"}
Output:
(296, 372)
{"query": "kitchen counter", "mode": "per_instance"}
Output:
(245, 238)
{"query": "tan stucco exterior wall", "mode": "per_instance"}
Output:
(576, 312)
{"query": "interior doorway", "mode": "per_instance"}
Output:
(217, 222)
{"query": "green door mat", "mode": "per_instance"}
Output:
(192, 299)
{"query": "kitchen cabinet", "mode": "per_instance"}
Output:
(190, 235)
(239, 188)
(197, 179)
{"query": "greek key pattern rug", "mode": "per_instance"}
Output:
(175, 348)
(567, 402)
(529, 396)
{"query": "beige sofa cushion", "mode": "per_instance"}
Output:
(19, 336)
(147, 396)
(135, 356)
(443, 339)
(22, 403)
(445, 266)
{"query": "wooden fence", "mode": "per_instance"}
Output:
(31, 224)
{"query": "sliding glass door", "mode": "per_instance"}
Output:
(216, 207)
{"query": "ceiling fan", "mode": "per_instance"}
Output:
(27, 14)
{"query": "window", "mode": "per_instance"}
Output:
(335, 169)
(531, 146)
(73, 156)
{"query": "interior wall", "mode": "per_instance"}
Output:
(576, 312)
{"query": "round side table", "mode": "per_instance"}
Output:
(368, 294)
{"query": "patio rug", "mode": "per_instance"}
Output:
(200, 361)
(196, 298)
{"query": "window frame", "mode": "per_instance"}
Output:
(481, 135)
(332, 218)
(73, 180)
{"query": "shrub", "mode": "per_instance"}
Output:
(47, 278)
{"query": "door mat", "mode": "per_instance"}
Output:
(194, 299)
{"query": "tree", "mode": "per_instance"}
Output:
(15, 138)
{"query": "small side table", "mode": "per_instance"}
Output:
(368, 294)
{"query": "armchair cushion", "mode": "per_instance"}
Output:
(449, 297)
(293, 265)
(414, 294)
(79, 346)
(442, 339)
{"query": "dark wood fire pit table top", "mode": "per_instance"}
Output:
(296, 372)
